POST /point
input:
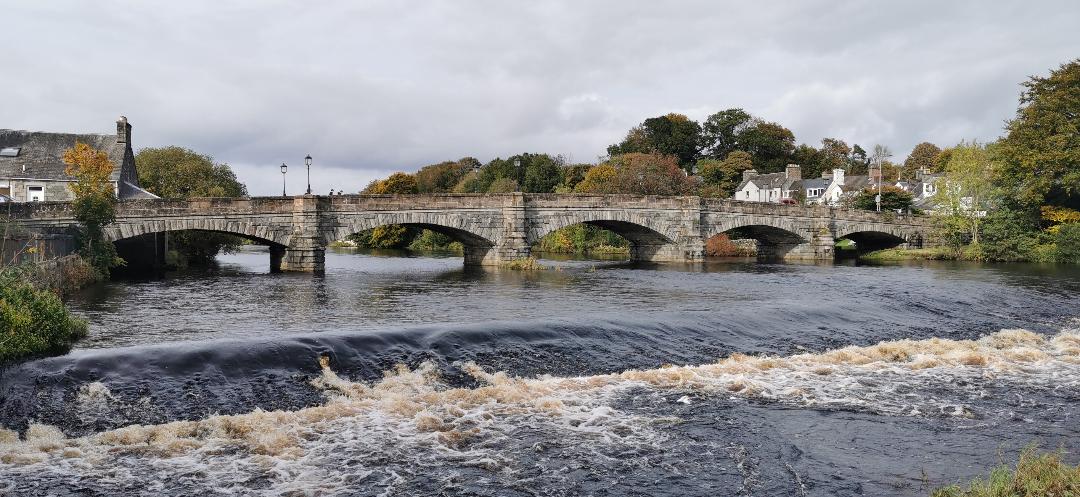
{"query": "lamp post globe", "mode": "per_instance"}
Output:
(307, 162)
(283, 169)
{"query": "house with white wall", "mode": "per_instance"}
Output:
(770, 187)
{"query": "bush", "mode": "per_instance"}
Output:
(1035, 475)
(1008, 236)
(1067, 240)
(33, 322)
(430, 240)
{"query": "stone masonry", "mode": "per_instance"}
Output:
(496, 228)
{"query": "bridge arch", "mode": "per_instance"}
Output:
(876, 236)
(255, 232)
(650, 237)
(478, 237)
(775, 236)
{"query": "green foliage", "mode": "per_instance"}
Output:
(181, 173)
(720, 132)
(503, 185)
(390, 236)
(430, 240)
(892, 199)
(721, 178)
(524, 264)
(643, 174)
(923, 157)
(1041, 151)
(582, 239)
(673, 134)
(770, 144)
(542, 173)
(1008, 235)
(33, 322)
(1067, 240)
(94, 205)
(968, 186)
(1035, 475)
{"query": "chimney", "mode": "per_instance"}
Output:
(749, 173)
(793, 171)
(875, 173)
(123, 131)
(919, 174)
(838, 176)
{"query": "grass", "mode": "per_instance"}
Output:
(524, 264)
(1035, 475)
(927, 254)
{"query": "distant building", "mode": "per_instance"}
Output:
(32, 166)
(771, 187)
(838, 185)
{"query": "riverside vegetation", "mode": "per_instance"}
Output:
(1035, 475)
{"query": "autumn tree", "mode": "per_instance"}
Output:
(442, 177)
(968, 186)
(721, 178)
(180, 173)
(397, 183)
(923, 157)
(643, 174)
(94, 205)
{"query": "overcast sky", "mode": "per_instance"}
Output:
(373, 87)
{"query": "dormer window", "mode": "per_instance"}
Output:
(10, 151)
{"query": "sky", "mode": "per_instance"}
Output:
(373, 87)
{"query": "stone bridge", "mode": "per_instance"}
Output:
(495, 228)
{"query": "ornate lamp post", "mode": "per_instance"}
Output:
(307, 162)
(283, 169)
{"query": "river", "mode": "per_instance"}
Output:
(414, 376)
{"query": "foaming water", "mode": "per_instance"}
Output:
(413, 431)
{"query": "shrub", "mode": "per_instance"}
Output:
(33, 322)
(1067, 240)
(524, 264)
(1035, 475)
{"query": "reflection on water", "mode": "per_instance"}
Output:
(415, 376)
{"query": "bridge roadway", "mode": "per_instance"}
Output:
(496, 228)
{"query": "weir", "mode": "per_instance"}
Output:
(493, 228)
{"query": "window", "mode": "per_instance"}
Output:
(35, 194)
(9, 152)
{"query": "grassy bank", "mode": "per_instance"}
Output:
(929, 254)
(1035, 475)
(33, 321)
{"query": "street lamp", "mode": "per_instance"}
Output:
(517, 169)
(283, 169)
(307, 162)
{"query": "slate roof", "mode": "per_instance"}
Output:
(856, 183)
(770, 181)
(815, 183)
(42, 153)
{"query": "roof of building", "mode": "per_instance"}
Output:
(42, 153)
(816, 183)
(854, 183)
(770, 181)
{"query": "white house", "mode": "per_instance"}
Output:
(771, 187)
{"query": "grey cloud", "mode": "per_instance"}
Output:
(372, 87)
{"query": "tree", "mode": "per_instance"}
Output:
(672, 134)
(180, 173)
(721, 178)
(968, 185)
(503, 185)
(397, 183)
(892, 199)
(94, 205)
(810, 159)
(835, 154)
(858, 162)
(542, 173)
(770, 144)
(923, 157)
(643, 174)
(1041, 150)
(442, 177)
(720, 132)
